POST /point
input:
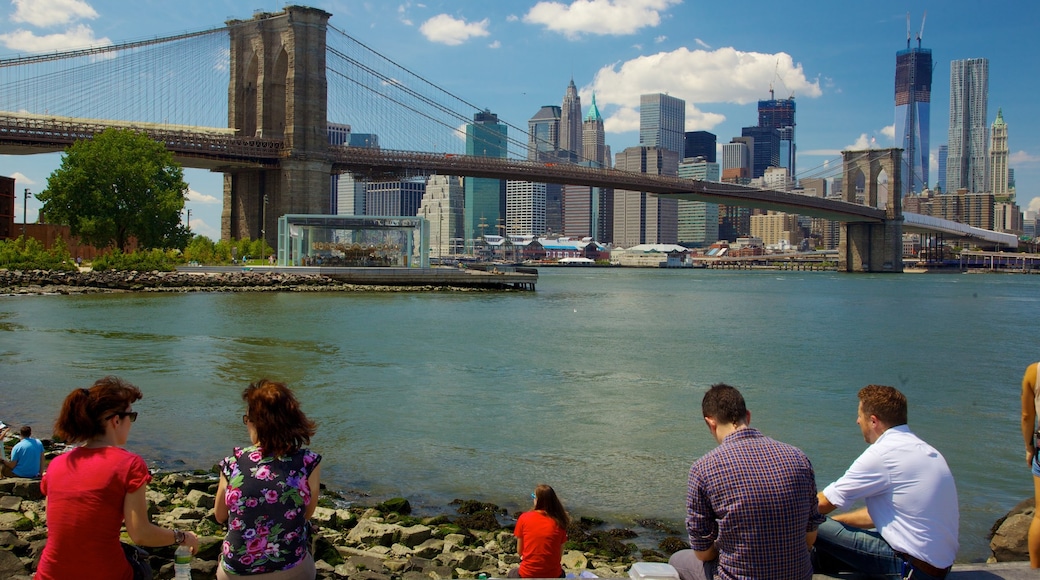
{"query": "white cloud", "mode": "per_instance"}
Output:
(45, 13)
(512, 18)
(451, 31)
(203, 198)
(605, 17)
(1034, 204)
(660, 39)
(889, 131)
(721, 76)
(21, 179)
(495, 44)
(1019, 158)
(862, 142)
(702, 44)
(79, 36)
(199, 227)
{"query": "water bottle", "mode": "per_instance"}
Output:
(182, 563)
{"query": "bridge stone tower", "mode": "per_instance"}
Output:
(872, 247)
(278, 90)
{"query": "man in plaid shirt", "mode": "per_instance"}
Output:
(751, 506)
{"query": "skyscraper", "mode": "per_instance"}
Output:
(586, 208)
(698, 221)
(968, 143)
(543, 130)
(779, 114)
(593, 139)
(944, 153)
(765, 152)
(485, 197)
(525, 208)
(913, 102)
(394, 198)
(662, 123)
(442, 205)
(998, 159)
(570, 123)
(700, 144)
(639, 217)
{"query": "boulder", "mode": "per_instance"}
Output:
(11, 565)
(574, 560)
(201, 499)
(1008, 537)
(369, 532)
(10, 503)
(415, 535)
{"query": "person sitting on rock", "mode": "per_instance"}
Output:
(540, 535)
(26, 456)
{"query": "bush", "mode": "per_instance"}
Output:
(141, 261)
(29, 254)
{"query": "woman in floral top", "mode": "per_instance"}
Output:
(268, 491)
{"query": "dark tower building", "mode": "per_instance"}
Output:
(913, 100)
(570, 123)
(700, 144)
(766, 150)
(779, 114)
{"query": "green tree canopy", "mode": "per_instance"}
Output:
(119, 185)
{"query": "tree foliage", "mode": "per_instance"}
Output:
(29, 254)
(117, 186)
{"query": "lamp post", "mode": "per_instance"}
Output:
(25, 205)
(187, 223)
(263, 230)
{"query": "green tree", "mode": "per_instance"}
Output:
(119, 185)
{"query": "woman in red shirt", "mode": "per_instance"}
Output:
(96, 487)
(540, 535)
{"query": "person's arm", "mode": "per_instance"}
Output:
(220, 509)
(707, 555)
(314, 481)
(1029, 411)
(141, 529)
(856, 518)
(810, 539)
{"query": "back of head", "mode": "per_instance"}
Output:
(725, 404)
(281, 427)
(84, 410)
(546, 500)
(25, 432)
(885, 403)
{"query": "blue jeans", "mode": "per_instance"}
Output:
(842, 548)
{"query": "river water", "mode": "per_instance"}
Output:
(592, 383)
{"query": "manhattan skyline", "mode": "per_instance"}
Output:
(513, 58)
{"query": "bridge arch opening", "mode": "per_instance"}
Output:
(246, 121)
(880, 189)
(275, 97)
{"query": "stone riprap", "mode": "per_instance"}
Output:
(91, 282)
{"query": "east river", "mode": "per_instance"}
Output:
(592, 383)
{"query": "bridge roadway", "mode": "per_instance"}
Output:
(217, 149)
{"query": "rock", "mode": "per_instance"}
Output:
(369, 532)
(10, 503)
(397, 505)
(201, 499)
(574, 560)
(26, 488)
(10, 565)
(430, 548)
(415, 535)
(1008, 538)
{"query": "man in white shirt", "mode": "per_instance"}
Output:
(910, 522)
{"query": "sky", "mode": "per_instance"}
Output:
(836, 58)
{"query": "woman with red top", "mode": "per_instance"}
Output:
(540, 535)
(96, 487)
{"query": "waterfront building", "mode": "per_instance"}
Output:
(571, 139)
(698, 221)
(1007, 217)
(813, 187)
(734, 222)
(443, 207)
(776, 229)
(700, 144)
(525, 208)
(640, 217)
(913, 101)
(944, 153)
(765, 149)
(394, 198)
(485, 197)
(968, 143)
(998, 159)
(779, 114)
(662, 122)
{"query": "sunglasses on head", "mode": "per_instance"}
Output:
(121, 414)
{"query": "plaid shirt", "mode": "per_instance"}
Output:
(755, 499)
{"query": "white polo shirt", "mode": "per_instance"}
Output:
(909, 492)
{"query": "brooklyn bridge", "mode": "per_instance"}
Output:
(253, 99)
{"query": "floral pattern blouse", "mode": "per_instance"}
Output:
(266, 499)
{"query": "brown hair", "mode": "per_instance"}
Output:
(725, 404)
(546, 500)
(281, 427)
(84, 410)
(885, 403)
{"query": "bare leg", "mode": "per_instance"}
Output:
(1034, 528)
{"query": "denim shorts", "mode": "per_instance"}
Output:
(1036, 465)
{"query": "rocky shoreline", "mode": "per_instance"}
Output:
(37, 282)
(377, 542)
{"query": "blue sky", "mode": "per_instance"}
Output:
(836, 58)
